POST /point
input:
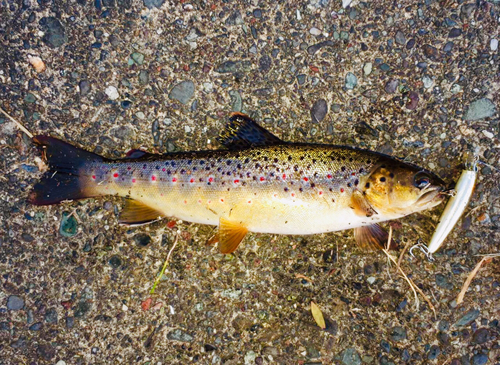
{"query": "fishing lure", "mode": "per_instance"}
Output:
(456, 204)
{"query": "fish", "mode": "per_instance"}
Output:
(256, 183)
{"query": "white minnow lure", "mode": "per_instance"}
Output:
(456, 204)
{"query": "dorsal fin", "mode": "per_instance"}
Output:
(242, 132)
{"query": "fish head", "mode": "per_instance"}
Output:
(399, 189)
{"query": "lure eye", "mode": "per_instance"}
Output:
(421, 180)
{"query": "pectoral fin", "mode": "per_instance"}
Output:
(136, 213)
(371, 238)
(230, 235)
(360, 205)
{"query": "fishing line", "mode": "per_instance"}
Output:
(19, 125)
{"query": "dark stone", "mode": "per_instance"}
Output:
(319, 110)
(55, 35)
(182, 92)
(209, 348)
(391, 86)
(431, 52)
(46, 351)
(467, 318)
(36, 327)
(69, 225)
(410, 43)
(454, 33)
(441, 280)
(143, 77)
(413, 99)
(257, 13)
(70, 322)
(234, 18)
(82, 308)
(84, 87)
(15, 303)
(115, 261)
(179, 335)
(434, 352)
(142, 239)
(479, 359)
(400, 38)
(443, 338)
(481, 336)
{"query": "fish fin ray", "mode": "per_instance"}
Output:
(243, 132)
(230, 235)
(65, 165)
(137, 213)
(372, 238)
(361, 205)
(138, 154)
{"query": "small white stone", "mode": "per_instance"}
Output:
(487, 134)
(346, 3)
(112, 92)
(371, 279)
(367, 68)
(124, 308)
(315, 31)
(494, 44)
(208, 87)
(299, 17)
(187, 129)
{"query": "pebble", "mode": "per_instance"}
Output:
(150, 4)
(454, 33)
(182, 92)
(315, 31)
(46, 351)
(350, 81)
(137, 57)
(413, 99)
(467, 318)
(434, 352)
(350, 357)
(494, 44)
(250, 357)
(479, 359)
(112, 93)
(36, 326)
(400, 38)
(143, 77)
(69, 225)
(480, 109)
(367, 68)
(428, 82)
(442, 281)
(55, 34)
(179, 335)
(15, 303)
(391, 86)
(142, 239)
(431, 52)
(481, 336)
(85, 87)
(115, 261)
(265, 63)
(236, 101)
(30, 98)
(398, 333)
(208, 87)
(319, 110)
(51, 316)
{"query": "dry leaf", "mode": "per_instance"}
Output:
(317, 315)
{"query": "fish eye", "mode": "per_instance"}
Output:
(421, 180)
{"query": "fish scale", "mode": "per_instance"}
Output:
(258, 184)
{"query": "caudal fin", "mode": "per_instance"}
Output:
(62, 181)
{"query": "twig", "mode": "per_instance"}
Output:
(19, 125)
(485, 259)
(414, 287)
(164, 265)
(300, 276)
(408, 244)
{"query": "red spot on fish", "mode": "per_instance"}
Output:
(320, 192)
(134, 181)
(153, 178)
(210, 179)
(341, 190)
(275, 195)
(185, 201)
(284, 176)
(249, 202)
(353, 173)
(329, 176)
(163, 169)
(221, 200)
(199, 201)
(129, 168)
(115, 175)
(293, 195)
(171, 224)
(191, 181)
(174, 179)
(93, 177)
(209, 202)
(306, 179)
(262, 178)
(236, 181)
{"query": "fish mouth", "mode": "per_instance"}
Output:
(432, 195)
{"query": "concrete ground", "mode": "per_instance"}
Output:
(418, 80)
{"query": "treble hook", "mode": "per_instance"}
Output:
(422, 247)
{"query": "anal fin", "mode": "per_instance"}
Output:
(135, 213)
(230, 235)
(371, 238)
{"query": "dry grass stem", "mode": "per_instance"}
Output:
(485, 260)
(19, 125)
(165, 264)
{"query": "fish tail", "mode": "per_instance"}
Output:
(65, 165)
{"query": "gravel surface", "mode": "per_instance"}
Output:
(419, 80)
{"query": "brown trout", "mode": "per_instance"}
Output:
(257, 184)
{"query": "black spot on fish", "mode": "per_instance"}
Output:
(189, 162)
(301, 190)
(183, 172)
(285, 189)
(313, 185)
(207, 168)
(173, 163)
(367, 185)
(382, 179)
(343, 168)
(202, 162)
(228, 162)
(349, 185)
(356, 182)
(313, 161)
(275, 160)
(290, 158)
(157, 167)
(361, 170)
(302, 158)
(247, 160)
(238, 166)
(391, 175)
